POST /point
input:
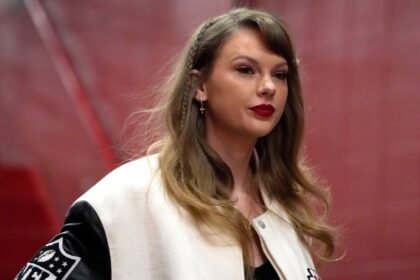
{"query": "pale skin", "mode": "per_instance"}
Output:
(245, 74)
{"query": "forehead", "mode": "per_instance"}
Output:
(248, 42)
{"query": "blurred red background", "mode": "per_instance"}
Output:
(71, 73)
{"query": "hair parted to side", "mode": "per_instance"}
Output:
(195, 176)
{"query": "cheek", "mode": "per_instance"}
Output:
(222, 90)
(283, 96)
(284, 100)
(281, 103)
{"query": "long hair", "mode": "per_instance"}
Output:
(194, 175)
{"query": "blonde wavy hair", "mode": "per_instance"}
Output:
(194, 175)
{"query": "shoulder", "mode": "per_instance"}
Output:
(80, 251)
(130, 181)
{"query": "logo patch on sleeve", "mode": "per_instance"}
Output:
(51, 263)
(312, 275)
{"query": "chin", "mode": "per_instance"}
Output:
(258, 133)
(262, 134)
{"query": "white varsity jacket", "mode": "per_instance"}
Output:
(125, 227)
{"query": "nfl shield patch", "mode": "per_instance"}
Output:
(51, 263)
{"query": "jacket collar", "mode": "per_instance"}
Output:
(273, 205)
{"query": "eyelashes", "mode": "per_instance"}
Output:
(281, 75)
(245, 70)
(248, 70)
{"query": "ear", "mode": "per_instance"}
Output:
(197, 82)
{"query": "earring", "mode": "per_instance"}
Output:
(202, 109)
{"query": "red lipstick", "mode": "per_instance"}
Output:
(263, 110)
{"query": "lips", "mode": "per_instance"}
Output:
(263, 110)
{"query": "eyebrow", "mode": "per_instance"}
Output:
(253, 60)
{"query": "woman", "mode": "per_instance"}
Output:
(225, 196)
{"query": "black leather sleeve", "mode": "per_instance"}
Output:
(80, 251)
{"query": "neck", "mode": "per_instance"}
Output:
(236, 152)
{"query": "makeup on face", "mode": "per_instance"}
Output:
(263, 110)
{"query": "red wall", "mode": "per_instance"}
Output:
(361, 81)
(360, 72)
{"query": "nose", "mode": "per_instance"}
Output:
(267, 86)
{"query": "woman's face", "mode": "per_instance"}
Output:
(246, 90)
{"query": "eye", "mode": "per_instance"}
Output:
(281, 75)
(245, 70)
